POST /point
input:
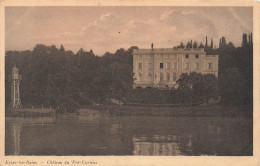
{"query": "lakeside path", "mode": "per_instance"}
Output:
(178, 111)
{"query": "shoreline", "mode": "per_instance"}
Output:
(177, 111)
(145, 110)
(29, 112)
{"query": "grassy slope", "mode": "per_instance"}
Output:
(198, 111)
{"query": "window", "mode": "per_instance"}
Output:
(140, 77)
(197, 56)
(150, 77)
(168, 77)
(174, 65)
(140, 66)
(187, 66)
(168, 65)
(161, 65)
(197, 66)
(210, 66)
(161, 77)
(173, 56)
(150, 66)
(16, 95)
(174, 77)
(187, 56)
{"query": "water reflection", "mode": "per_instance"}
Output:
(95, 134)
(157, 146)
(16, 131)
(16, 126)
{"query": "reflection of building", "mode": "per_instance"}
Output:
(16, 138)
(15, 88)
(156, 147)
(15, 130)
(162, 67)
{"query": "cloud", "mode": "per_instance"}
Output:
(190, 24)
(166, 14)
(108, 29)
(238, 18)
(106, 16)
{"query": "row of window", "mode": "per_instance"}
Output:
(188, 56)
(160, 55)
(186, 67)
(167, 65)
(168, 56)
(196, 67)
(150, 66)
(174, 77)
(162, 78)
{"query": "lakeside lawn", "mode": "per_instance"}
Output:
(156, 110)
(192, 111)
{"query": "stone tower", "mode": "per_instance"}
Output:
(15, 88)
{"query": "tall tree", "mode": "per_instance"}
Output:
(211, 44)
(62, 50)
(251, 39)
(195, 44)
(53, 50)
(181, 45)
(40, 50)
(244, 40)
(201, 45)
(223, 43)
(188, 45)
(231, 86)
(206, 43)
(91, 52)
(81, 52)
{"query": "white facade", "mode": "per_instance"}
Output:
(161, 68)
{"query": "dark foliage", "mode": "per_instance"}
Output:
(59, 78)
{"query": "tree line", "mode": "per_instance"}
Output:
(58, 77)
(235, 82)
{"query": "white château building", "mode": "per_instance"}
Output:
(161, 68)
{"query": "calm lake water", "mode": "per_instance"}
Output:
(128, 135)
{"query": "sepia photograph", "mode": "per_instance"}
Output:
(128, 81)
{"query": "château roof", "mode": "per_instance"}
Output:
(168, 50)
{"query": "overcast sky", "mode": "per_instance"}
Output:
(110, 28)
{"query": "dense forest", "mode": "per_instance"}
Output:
(55, 77)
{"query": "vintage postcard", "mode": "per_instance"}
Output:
(129, 83)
